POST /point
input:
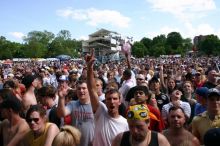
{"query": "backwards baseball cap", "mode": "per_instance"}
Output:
(63, 78)
(213, 91)
(202, 91)
(139, 112)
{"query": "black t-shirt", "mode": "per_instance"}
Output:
(162, 99)
(53, 118)
(209, 85)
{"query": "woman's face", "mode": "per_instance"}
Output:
(171, 84)
(35, 121)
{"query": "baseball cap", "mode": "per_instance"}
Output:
(63, 78)
(211, 137)
(202, 91)
(213, 91)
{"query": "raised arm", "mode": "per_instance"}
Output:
(162, 77)
(128, 60)
(61, 109)
(91, 83)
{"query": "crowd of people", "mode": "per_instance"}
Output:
(134, 102)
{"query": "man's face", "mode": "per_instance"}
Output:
(138, 129)
(212, 75)
(140, 96)
(112, 101)
(213, 104)
(176, 95)
(154, 86)
(63, 84)
(187, 88)
(176, 118)
(37, 83)
(140, 81)
(82, 91)
(45, 101)
(99, 87)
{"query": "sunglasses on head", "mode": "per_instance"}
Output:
(32, 119)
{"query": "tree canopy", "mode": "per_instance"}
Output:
(45, 44)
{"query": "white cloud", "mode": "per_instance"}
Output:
(163, 30)
(188, 31)
(17, 35)
(184, 9)
(83, 38)
(94, 17)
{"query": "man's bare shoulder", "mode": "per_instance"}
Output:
(162, 140)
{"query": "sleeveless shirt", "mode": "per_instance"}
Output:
(39, 141)
(126, 135)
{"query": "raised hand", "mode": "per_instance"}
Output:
(62, 91)
(89, 58)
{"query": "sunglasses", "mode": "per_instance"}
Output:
(32, 119)
(139, 79)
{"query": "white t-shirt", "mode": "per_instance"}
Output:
(106, 127)
(102, 97)
(184, 105)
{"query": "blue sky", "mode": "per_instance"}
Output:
(137, 19)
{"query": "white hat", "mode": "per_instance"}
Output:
(11, 75)
(63, 78)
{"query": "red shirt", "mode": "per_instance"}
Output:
(156, 125)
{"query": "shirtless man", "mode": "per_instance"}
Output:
(138, 117)
(29, 98)
(176, 134)
(13, 128)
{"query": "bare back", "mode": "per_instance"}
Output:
(28, 99)
(13, 135)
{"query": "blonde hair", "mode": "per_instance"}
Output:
(68, 136)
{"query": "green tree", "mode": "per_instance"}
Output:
(35, 50)
(44, 37)
(147, 42)
(64, 34)
(174, 43)
(139, 50)
(187, 45)
(158, 46)
(210, 45)
(5, 48)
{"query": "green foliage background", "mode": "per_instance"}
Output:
(44, 44)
